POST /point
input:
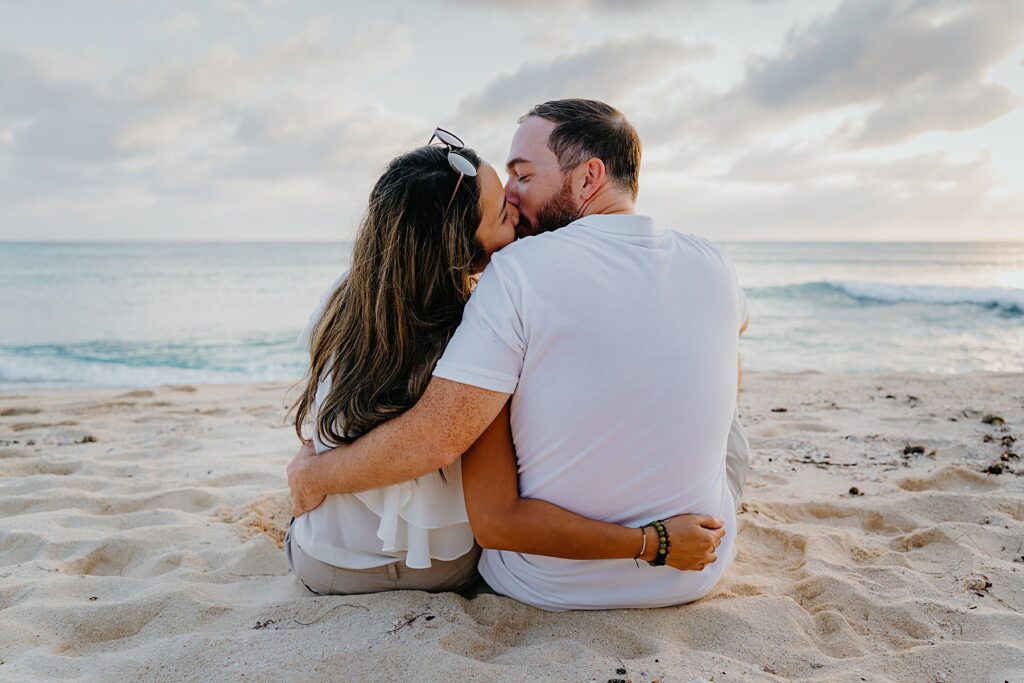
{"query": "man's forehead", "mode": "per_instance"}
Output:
(530, 142)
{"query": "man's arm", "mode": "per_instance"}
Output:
(446, 421)
(502, 520)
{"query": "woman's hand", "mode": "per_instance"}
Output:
(694, 539)
(302, 481)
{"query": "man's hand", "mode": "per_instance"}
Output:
(694, 540)
(302, 482)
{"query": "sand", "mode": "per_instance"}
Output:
(140, 538)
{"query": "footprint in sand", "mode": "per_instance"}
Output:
(503, 633)
(790, 428)
(10, 412)
(950, 478)
(25, 426)
(138, 393)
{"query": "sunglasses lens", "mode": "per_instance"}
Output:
(461, 164)
(448, 138)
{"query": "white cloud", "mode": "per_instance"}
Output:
(267, 124)
(908, 114)
(617, 6)
(907, 67)
(609, 71)
(180, 23)
(800, 194)
(236, 121)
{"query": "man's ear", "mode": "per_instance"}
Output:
(594, 176)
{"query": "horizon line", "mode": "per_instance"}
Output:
(349, 241)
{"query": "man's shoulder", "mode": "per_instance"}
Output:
(531, 249)
(698, 242)
(704, 247)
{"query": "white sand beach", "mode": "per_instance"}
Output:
(140, 537)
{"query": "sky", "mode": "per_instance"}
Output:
(860, 120)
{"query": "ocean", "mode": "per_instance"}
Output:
(143, 314)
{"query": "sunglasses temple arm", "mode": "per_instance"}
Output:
(457, 184)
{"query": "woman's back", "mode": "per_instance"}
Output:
(414, 522)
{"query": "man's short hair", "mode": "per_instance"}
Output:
(587, 129)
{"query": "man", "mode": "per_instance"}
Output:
(617, 342)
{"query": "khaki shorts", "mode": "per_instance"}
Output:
(325, 579)
(459, 574)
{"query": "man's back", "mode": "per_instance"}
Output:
(626, 340)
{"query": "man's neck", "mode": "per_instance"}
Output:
(608, 202)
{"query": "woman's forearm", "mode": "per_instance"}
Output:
(430, 435)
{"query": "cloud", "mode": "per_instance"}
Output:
(800, 193)
(618, 6)
(231, 126)
(608, 71)
(282, 126)
(899, 68)
(180, 23)
(811, 166)
(911, 113)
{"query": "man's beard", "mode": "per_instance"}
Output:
(557, 212)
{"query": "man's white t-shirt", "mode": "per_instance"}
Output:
(619, 341)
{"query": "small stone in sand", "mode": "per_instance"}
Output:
(1007, 441)
(854, 491)
(780, 410)
(913, 450)
(993, 420)
(995, 468)
(88, 438)
(976, 583)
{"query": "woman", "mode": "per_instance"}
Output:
(434, 218)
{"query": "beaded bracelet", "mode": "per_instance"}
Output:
(664, 546)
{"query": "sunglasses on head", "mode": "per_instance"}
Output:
(462, 165)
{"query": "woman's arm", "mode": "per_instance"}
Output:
(502, 520)
(443, 424)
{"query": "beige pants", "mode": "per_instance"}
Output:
(326, 579)
(737, 459)
(459, 574)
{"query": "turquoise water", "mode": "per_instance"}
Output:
(145, 314)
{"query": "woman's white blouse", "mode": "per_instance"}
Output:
(415, 521)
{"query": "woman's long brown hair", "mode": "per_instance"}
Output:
(388, 322)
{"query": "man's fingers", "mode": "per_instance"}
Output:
(709, 522)
(717, 534)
